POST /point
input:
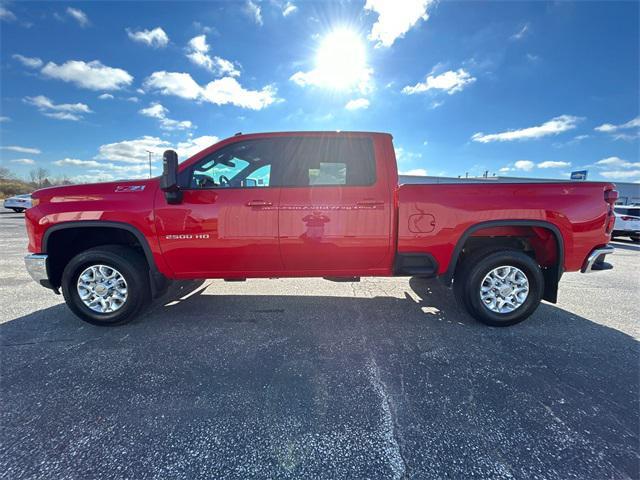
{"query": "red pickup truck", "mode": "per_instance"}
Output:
(313, 204)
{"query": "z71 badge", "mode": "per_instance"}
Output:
(129, 188)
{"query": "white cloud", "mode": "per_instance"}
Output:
(77, 163)
(553, 164)
(174, 83)
(23, 161)
(156, 110)
(621, 174)
(450, 82)
(288, 9)
(31, 62)
(254, 11)
(520, 34)
(156, 38)
(63, 116)
(505, 169)
(617, 134)
(130, 158)
(192, 146)
(403, 155)
(421, 172)
(395, 18)
(92, 75)
(93, 178)
(135, 151)
(61, 111)
(526, 165)
(609, 128)
(79, 16)
(227, 90)
(617, 162)
(132, 151)
(197, 52)
(105, 96)
(4, 119)
(6, 15)
(222, 91)
(132, 99)
(16, 148)
(552, 127)
(357, 104)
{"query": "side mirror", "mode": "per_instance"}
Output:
(169, 180)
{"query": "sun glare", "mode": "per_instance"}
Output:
(341, 60)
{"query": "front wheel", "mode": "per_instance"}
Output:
(18, 210)
(500, 288)
(106, 285)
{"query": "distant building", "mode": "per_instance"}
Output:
(629, 193)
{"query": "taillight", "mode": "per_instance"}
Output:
(610, 196)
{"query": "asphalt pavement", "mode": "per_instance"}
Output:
(296, 379)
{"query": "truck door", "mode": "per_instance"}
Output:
(227, 222)
(335, 205)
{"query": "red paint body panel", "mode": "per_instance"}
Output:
(320, 231)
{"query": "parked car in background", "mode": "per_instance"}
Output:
(18, 203)
(627, 222)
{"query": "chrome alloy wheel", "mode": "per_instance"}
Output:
(504, 289)
(102, 288)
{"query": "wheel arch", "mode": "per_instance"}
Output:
(552, 274)
(157, 279)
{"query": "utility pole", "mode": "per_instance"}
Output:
(149, 152)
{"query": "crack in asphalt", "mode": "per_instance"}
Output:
(397, 460)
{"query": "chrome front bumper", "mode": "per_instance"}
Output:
(37, 267)
(595, 260)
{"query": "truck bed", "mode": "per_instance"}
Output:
(433, 218)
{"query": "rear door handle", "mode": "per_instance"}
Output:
(259, 203)
(370, 203)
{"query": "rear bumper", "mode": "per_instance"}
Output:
(37, 267)
(595, 260)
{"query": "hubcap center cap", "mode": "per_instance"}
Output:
(506, 291)
(101, 289)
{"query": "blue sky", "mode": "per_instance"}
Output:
(516, 88)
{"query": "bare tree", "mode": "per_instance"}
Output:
(5, 173)
(38, 176)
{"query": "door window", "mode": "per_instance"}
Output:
(330, 161)
(239, 165)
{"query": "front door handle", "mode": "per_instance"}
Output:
(259, 203)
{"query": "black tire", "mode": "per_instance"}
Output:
(18, 210)
(469, 276)
(131, 265)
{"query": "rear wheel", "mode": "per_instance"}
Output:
(499, 288)
(106, 285)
